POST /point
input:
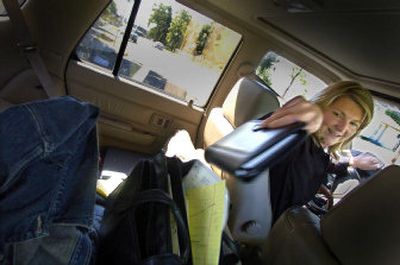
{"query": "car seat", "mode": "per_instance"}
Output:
(249, 99)
(363, 228)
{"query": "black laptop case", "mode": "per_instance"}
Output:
(248, 150)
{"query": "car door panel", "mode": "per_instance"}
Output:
(132, 117)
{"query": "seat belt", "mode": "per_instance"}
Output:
(25, 42)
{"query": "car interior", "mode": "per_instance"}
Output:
(229, 62)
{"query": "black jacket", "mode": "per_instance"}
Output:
(296, 178)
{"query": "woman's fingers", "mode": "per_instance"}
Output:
(292, 106)
(312, 120)
(279, 121)
(294, 101)
(296, 110)
(366, 161)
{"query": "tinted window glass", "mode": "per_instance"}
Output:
(287, 78)
(382, 136)
(101, 43)
(171, 48)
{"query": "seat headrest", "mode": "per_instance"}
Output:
(364, 227)
(248, 99)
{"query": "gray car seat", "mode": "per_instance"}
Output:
(250, 214)
(363, 228)
(249, 99)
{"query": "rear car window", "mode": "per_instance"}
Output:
(171, 48)
(287, 78)
(381, 137)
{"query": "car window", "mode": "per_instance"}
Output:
(287, 78)
(101, 43)
(382, 136)
(170, 48)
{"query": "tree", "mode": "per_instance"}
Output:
(110, 12)
(161, 17)
(266, 67)
(297, 73)
(202, 39)
(111, 16)
(395, 115)
(177, 30)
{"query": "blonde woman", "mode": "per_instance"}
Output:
(332, 118)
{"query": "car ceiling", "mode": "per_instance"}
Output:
(361, 37)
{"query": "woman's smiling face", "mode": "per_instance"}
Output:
(342, 119)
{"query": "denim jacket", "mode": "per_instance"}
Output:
(48, 172)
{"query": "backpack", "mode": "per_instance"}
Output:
(136, 227)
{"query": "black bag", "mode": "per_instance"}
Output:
(230, 250)
(247, 150)
(136, 227)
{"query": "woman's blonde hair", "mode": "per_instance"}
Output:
(354, 91)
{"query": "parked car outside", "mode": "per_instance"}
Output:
(159, 45)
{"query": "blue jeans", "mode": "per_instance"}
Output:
(48, 173)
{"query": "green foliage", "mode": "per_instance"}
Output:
(297, 73)
(201, 41)
(266, 67)
(111, 16)
(111, 11)
(176, 31)
(395, 115)
(161, 17)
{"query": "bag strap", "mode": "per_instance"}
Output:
(25, 42)
(176, 175)
(159, 196)
(230, 251)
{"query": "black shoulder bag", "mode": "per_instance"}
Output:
(136, 227)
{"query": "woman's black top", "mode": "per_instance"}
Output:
(296, 178)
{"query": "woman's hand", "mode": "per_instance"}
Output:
(296, 110)
(327, 194)
(366, 161)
